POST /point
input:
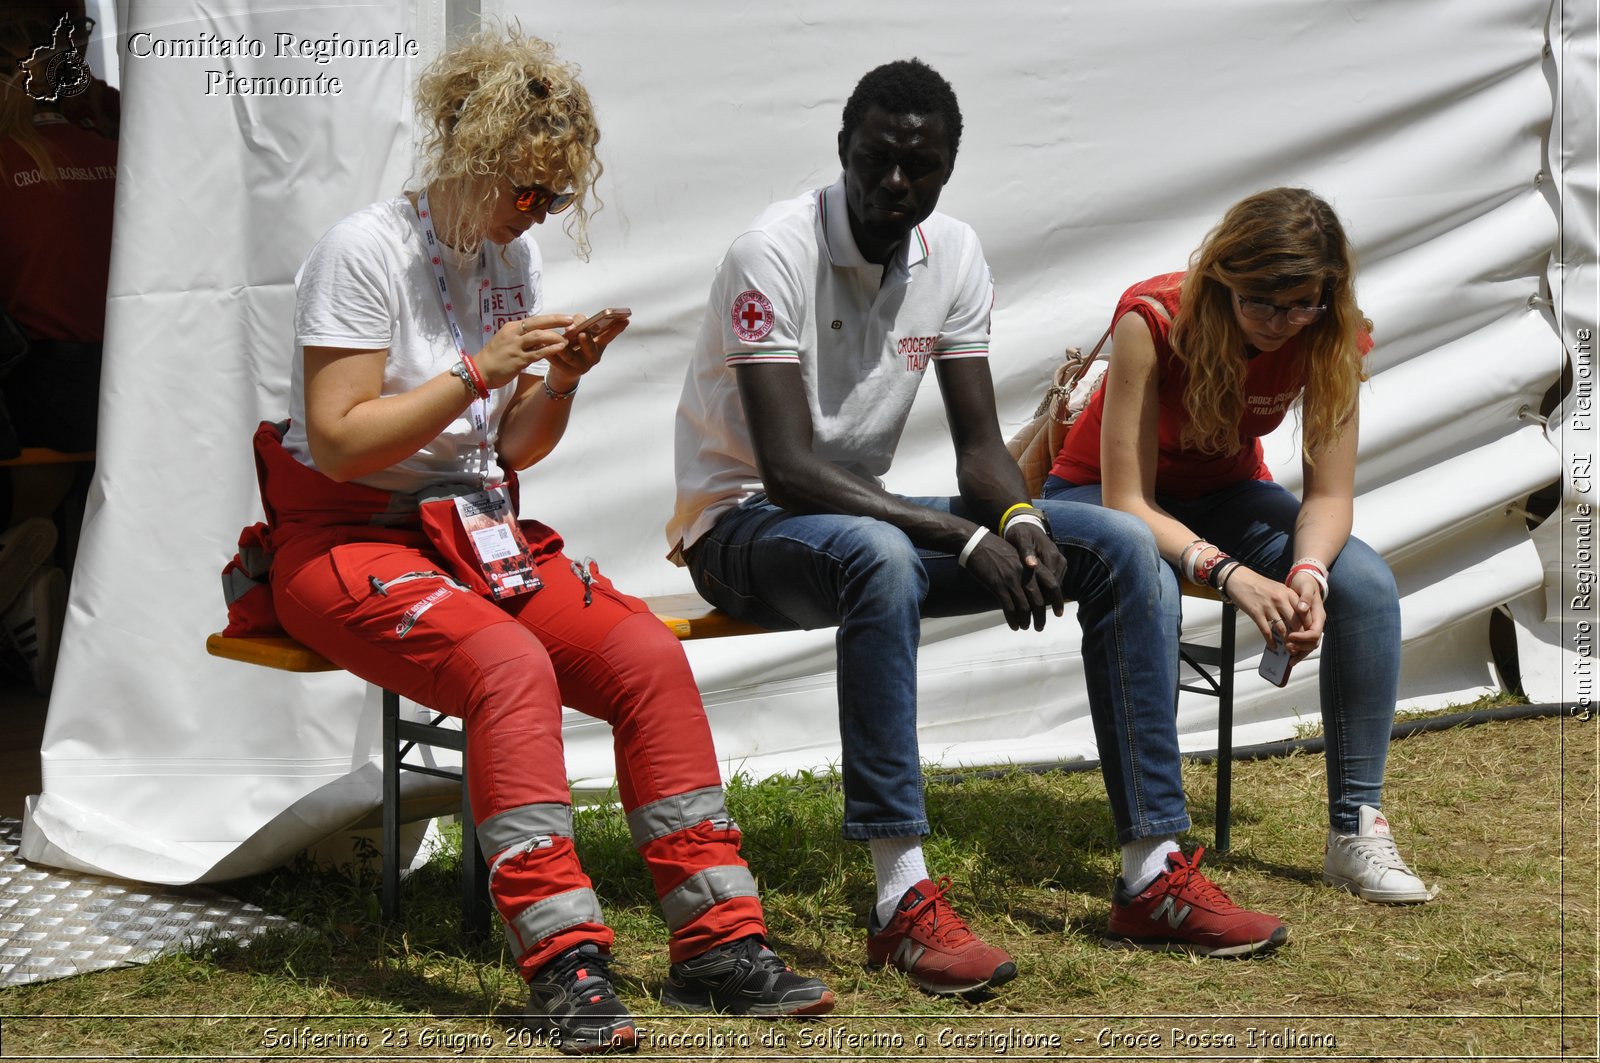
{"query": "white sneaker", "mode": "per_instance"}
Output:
(1368, 865)
(33, 624)
(23, 548)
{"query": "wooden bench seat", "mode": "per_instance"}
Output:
(689, 617)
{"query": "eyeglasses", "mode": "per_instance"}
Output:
(534, 198)
(1262, 310)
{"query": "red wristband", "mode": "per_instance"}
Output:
(1202, 571)
(1316, 572)
(477, 378)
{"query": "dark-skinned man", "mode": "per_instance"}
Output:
(823, 316)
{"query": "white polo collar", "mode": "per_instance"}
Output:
(841, 243)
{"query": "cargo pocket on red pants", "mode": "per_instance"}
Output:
(374, 575)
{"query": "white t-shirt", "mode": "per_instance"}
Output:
(368, 285)
(795, 288)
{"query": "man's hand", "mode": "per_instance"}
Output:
(1023, 572)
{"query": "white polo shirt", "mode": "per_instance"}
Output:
(795, 288)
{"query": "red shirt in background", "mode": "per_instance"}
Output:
(57, 257)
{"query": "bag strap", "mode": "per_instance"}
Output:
(1076, 365)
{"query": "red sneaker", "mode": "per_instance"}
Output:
(1183, 911)
(935, 948)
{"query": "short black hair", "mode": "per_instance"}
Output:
(905, 86)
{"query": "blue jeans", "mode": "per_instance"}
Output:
(1360, 674)
(786, 570)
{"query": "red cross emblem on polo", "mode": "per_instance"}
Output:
(752, 315)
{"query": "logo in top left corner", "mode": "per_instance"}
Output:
(58, 70)
(752, 315)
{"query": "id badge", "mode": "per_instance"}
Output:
(490, 524)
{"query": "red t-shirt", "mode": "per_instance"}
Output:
(58, 237)
(1273, 381)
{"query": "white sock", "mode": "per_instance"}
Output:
(899, 866)
(1145, 858)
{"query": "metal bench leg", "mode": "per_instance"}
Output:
(390, 895)
(475, 903)
(1225, 731)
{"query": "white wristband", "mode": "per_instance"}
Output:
(1024, 518)
(972, 544)
(1320, 580)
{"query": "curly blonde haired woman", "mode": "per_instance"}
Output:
(1206, 363)
(428, 370)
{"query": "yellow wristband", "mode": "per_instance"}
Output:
(1007, 514)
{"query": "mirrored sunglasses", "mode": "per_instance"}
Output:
(534, 198)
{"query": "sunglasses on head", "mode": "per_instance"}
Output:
(1263, 310)
(532, 198)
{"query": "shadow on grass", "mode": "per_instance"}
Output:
(997, 838)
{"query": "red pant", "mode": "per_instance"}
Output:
(388, 613)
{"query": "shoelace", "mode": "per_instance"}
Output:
(590, 972)
(1186, 873)
(1379, 852)
(944, 925)
(765, 959)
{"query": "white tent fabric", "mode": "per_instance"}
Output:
(1098, 149)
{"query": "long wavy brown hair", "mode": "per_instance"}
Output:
(504, 105)
(1273, 241)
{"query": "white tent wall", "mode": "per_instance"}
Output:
(1101, 141)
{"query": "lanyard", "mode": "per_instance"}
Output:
(480, 407)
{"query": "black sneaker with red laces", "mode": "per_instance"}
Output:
(744, 977)
(1183, 911)
(571, 999)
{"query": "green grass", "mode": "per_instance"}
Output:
(1503, 815)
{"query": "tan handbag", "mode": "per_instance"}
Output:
(1074, 383)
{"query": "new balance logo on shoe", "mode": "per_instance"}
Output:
(933, 945)
(1199, 917)
(1169, 908)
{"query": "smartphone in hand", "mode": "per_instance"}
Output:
(598, 324)
(1275, 664)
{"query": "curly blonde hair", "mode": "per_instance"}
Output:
(504, 106)
(1273, 241)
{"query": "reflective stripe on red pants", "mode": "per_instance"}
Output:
(387, 613)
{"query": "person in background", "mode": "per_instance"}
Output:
(1265, 317)
(59, 179)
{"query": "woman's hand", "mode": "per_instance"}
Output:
(1308, 635)
(519, 344)
(1282, 614)
(579, 353)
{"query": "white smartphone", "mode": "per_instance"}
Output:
(1275, 664)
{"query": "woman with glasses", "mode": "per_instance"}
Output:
(1206, 363)
(428, 370)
